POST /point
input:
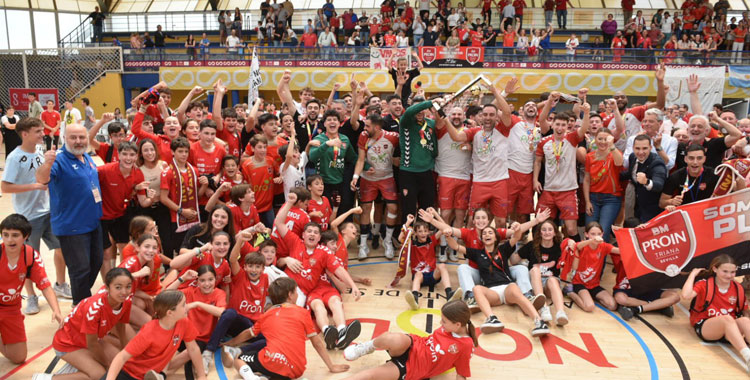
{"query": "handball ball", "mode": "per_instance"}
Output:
(475, 90)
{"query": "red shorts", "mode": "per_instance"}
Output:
(453, 193)
(368, 190)
(494, 193)
(323, 292)
(521, 192)
(564, 201)
(12, 329)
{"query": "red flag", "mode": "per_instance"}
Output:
(403, 259)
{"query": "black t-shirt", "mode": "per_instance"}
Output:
(97, 18)
(346, 130)
(11, 139)
(306, 130)
(364, 24)
(549, 255)
(193, 238)
(406, 89)
(679, 160)
(715, 149)
(700, 188)
(390, 124)
(489, 32)
(492, 271)
(430, 38)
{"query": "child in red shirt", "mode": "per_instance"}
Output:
(296, 220)
(145, 225)
(179, 193)
(414, 357)
(242, 205)
(140, 267)
(424, 263)
(148, 354)
(717, 313)
(230, 173)
(285, 326)
(319, 208)
(226, 121)
(193, 259)
(587, 267)
(80, 341)
(261, 173)
(27, 264)
(205, 304)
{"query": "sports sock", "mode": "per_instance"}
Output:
(375, 229)
(745, 352)
(389, 233)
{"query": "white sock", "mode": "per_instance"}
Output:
(246, 372)
(340, 327)
(389, 233)
(370, 345)
(375, 229)
(745, 352)
(443, 243)
(362, 240)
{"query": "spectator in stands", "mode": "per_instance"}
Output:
(627, 10)
(282, 17)
(190, 46)
(549, 8)
(597, 49)
(667, 25)
(328, 9)
(321, 22)
(308, 27)
(291, 36)
(453, 41)
(509, 14)
(570, 47)
(97, 20)
(453, 19)
(739, 41)
(657, 18)
(431, 36)
(401, 40)
(720, 8)
(265, 7)
(205, 43)
(561, 6)
(289, 7)
(237, 22)
(327, 41)
(618, 47)
(544, 42)
(609, 29)
(223, 27)
(418, 28)
(278, 34)
(364, 27)
(159, 37)
(233, 42)
(88, 114)
(348, 22)
(309, 42)
(136, 43)
(509, 39)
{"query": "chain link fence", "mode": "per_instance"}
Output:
(71, 71)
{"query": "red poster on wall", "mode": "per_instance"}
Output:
(20, 102)
(441, 56)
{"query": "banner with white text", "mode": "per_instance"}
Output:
(380, 58)
(442, 56)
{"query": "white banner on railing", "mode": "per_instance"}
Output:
(381, 57)
(255, 79)
(711, 81)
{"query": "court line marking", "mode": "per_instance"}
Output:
(24, 364)
(723, 346)
(644, 346)
(677, 357)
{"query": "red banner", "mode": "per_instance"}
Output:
(20, 102)
(659, 254)
(441, 56)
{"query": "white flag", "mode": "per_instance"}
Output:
(253, 83)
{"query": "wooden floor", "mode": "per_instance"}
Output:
(598, 345)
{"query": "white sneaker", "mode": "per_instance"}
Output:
(561, 319)
(452, 256)
(356, 351)
(229, 354)
(545, 314)
(389, 249)
(153, 375)
(42, 376)
(250, 376)
(66, 369)
(442, 256)
(364, 250)
(208, 357)
(62, 290)
(32, 305)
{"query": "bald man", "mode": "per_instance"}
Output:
(75, 208)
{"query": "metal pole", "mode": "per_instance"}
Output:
(25, 70)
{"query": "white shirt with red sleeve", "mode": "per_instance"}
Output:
(633, 117)
(454, 158)
(432, 355)
(559, 162)
(522, 140)
(489, 156)
(92, 316)
(379, 154)
(12, 279)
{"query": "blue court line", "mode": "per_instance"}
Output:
(646, 350)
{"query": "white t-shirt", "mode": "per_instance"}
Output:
(559, 162)
(523, 140)
(489, 158)
(666, 24)
(453, 20)
(72, 116)
(379, 154)
(571, 44)
(667, 126)
(232, 42)
(294, 176)
(424, 5)
(454, 158)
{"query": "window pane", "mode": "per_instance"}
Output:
(45, 30)
(68, 22)
(194, 21)
(3, 32)
(737, 5)
(175, 22)
(154, 20)
(20, 23)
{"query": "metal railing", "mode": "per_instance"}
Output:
(71, 71)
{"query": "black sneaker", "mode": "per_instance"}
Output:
(667, 311)
(348, 334)
(625, 312)
(375, 241)
(491, 325)
(331, 335)
(540, 328)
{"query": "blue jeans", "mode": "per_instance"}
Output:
(83, 255)
(547, 17)
(606, 208)
(417, 38)
(232, 323)
(267, 217)
(562, 19)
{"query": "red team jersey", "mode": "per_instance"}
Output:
(342, 253)
(261, 180)
(204, 322)
(423, 258)
(295, 222)
(92, 316)
(171, 183)
(117, 190)
(134, 265)
(206, 162)
(721, 304)
(325, 207)
(286, 329)
(314, 264)
(232, 140)
(273, 153)
(432, 355)
(104, 150)
(151, 285)
(11, 280)
(154, 346)
(223, 272)
(241, 219)
(590, 264)
(248, 298)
